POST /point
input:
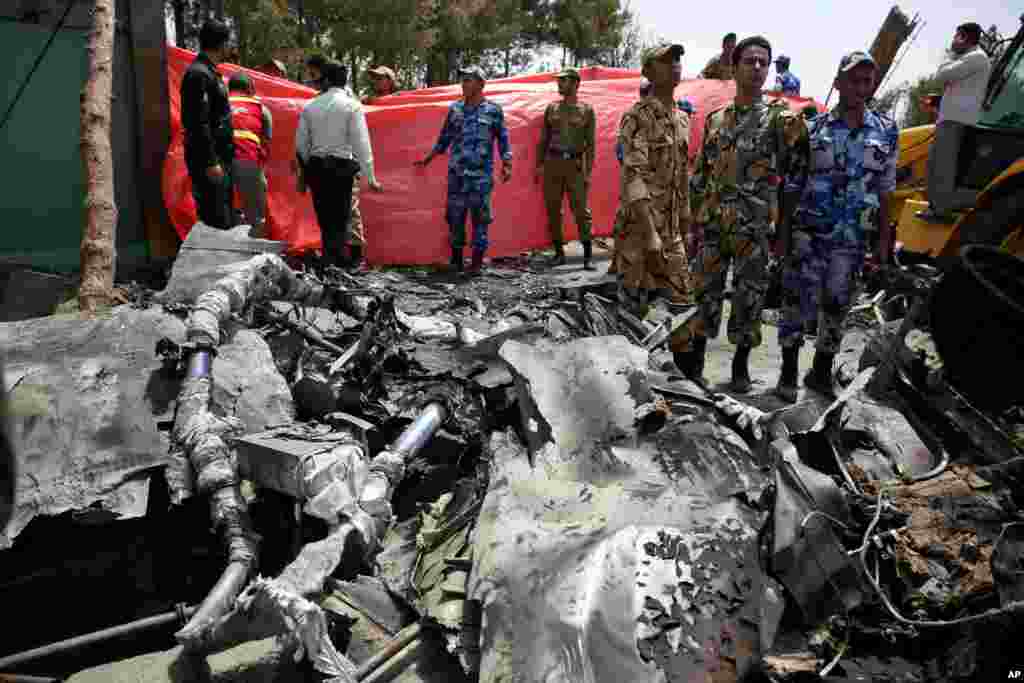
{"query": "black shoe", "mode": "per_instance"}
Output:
(820, 377)
(691, 363)
(559, 258)
(478, 261)
(456, 262)
(588, 254)
(356, 258)
(741, 383)
(787, 388)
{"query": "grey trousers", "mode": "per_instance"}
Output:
(943, 195)
(252, 186)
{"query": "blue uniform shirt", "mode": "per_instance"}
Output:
(471, 132)
(849, 170)
(788, 84)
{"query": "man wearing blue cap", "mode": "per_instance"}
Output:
(785, 81)
(473, 125)
(845, 197)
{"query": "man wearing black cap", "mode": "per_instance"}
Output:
(565, 161)
(747, 176)
(206, 118)
(654, 189)
(785, 81)
(473, 126)
(844, 199)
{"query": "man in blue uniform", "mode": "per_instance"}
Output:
(845, 197)
(785, 81)
(473, 125)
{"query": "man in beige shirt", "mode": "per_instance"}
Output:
(720, 67)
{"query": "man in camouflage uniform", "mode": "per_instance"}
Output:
(720, 67)
(752, 150)
(846, 197)
(473, 125)
(565, 160)
(654, 192)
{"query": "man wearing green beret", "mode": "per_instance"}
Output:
(565, 160)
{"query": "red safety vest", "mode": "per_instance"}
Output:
(247, 121)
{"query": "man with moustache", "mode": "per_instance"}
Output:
(654, 192)
(748, 174)
(846, 196)
(565, 161)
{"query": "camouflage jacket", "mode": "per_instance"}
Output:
(655, 142)
(849, 172)
(471, 133)
(716, 69)
(748, 155)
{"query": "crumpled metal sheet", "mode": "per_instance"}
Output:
(608, 559)
(85, 398)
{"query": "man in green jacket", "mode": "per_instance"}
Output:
(565, 160)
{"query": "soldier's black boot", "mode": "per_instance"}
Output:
(740, 372)
(820, 377)
(691, 363)
(559, 258)
(477, 262)
(456, 262)
(355, 262)
(588, 255)
(787, 388)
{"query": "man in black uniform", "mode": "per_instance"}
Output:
(206, 118)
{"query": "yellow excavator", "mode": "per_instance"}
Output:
(991, 161)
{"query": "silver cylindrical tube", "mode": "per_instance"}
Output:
(420, 431)
(199, 363)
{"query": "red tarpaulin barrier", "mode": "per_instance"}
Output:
(405, 224)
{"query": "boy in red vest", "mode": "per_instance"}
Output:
(253, 128)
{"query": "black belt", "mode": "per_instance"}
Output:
(565, 156)
(335, 163)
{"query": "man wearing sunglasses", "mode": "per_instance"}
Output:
(747, 176)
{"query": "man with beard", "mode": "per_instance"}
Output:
(963, 80)
(852, 172)
(654, 192)
(753, 159)
(565, 160)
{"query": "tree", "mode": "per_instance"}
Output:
(589, 29)
(97, 251)
(903, 102)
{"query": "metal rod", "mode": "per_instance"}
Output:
(95, 637)
(401, 639)
(24, 678)
(420, 432)
(395, 665)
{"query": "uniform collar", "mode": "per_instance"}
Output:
(835, 116)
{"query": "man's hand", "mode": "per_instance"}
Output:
(652, 240)
(506, 171)
(215, 172)
(376, 186)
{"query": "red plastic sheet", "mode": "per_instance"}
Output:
(405, 224)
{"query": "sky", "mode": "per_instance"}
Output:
(815, 34)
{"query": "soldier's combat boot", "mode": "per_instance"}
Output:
(355, 262)
(740, 372)
(820, 377)
(588, 255)
(477, 262)
(691, 363)
(559, 258)
(787, 389)
(456, 262)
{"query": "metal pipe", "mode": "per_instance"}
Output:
(199, 363)
(416, 435)
(401, 639)
(216, 603)
(396, 664)
(95, 637)
(24, 678)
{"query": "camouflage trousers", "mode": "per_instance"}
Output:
(748, 256)
(357, 233)
(820, 281)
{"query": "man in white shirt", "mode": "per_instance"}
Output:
(333, 144)
(963, 80)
